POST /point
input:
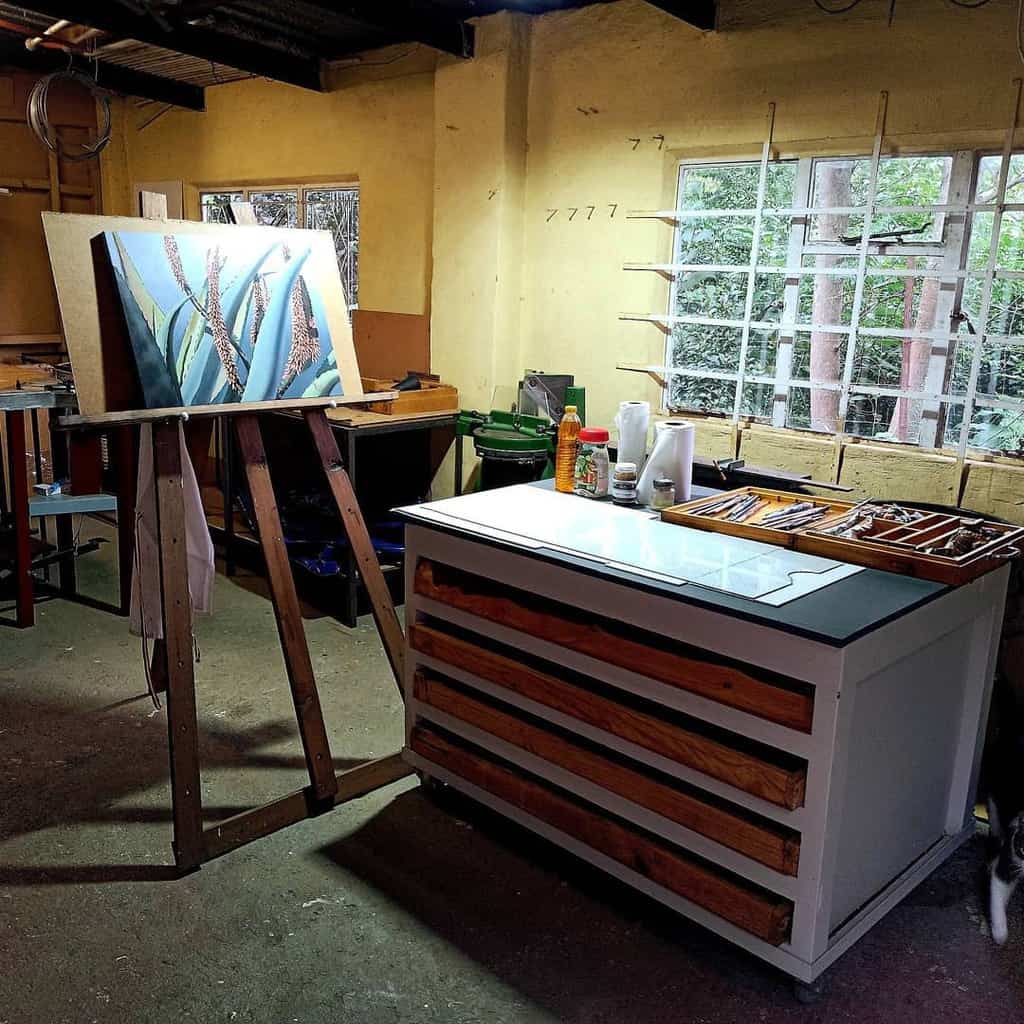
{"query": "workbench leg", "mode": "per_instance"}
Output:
(19, 512)
(359, 542)
(287, 610)
(65, 527)
(177, 650)
(37, 456)
(126, 461)
(458, 462)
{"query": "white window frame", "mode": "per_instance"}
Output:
(952, 273)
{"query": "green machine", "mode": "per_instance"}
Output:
(513, 447)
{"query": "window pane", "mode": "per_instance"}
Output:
(278, 209)
(721, 240)
(214, 206)
(694, 393)
(902, 181)
(826, 299)
(723, 296)
(337, 210)
(1010, 254)
(706, 348)
(988, 179)
(757, 401)
(762, 353)
(1006, 311)
(734, 186)
(819, 357)
(869, 415)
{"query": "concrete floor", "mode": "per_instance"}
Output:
(390, 909)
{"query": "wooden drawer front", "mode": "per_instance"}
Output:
(761, 840)
(746, 766)
(675, 664)
(754, 910)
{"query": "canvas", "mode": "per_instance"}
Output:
(215, 319)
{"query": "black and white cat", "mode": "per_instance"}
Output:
(1006, 825)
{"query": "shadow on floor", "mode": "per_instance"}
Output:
(63, 766)
(551, 926)
(590, 949)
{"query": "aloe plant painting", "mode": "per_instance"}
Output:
(214, 319)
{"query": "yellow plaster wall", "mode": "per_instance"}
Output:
(379, 133)
(608, 74)
(495, 191)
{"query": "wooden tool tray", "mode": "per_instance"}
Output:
(890, 545)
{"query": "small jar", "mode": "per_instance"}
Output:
(591, 477)
(663, 494)
(624, 483)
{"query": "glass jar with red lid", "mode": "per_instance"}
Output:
(591, 477)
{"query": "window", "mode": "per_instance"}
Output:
(816, 331)
(333, 208)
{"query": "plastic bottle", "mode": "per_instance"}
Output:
(565, 453)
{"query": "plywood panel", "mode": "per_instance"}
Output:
(995, 490)
(173, 191)
(787, 450)
(76, 172)
(887, 473)
(21, 153)
(27, 301)
(391, 344)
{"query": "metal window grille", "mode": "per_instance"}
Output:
(875, 295)
(333, 208)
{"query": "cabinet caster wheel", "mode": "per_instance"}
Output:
(811, 992)
(430, 785)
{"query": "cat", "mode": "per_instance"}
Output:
(1006, 825)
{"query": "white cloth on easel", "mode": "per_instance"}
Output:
(147, 608)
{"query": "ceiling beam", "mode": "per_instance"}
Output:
(107, 75)
(408, 22)
(699, 13)
(194, 41)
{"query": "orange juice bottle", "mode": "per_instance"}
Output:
(565, 453)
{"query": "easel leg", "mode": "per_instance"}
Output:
(287, 611)
(182, 724)
(19, 513)
(388, 626)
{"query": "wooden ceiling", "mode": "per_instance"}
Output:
(169, 50)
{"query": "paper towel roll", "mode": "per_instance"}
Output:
(632, 420)
(671, 458)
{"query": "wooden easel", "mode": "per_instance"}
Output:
(173, 668)
(173, 658)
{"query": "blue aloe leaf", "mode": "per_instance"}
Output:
(324, 386)
(159, 387)
(165, 337)
(191, 338)
(204, 377)
(239, 293)
(275, 337)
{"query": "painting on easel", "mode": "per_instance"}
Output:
(216, 319)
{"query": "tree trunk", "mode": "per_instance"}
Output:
(827, 306)
(906, 418)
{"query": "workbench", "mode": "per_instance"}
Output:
(20, 409)
(780, 751)
(355, 430)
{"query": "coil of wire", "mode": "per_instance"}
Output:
(39, 120)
